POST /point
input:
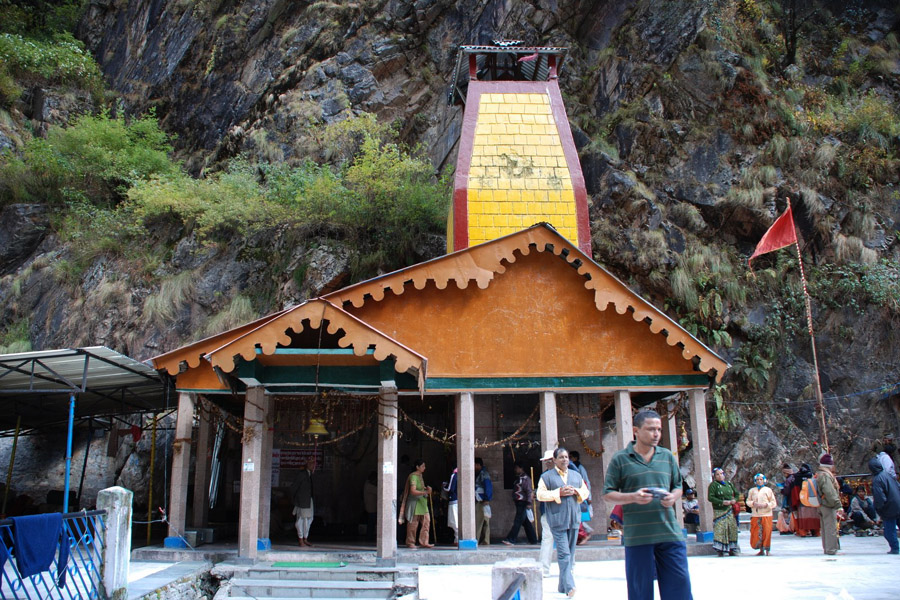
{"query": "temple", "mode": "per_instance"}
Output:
(514, 342)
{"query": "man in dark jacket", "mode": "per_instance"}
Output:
(886, 492)
(523, 495)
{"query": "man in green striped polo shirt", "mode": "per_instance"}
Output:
(646, 481)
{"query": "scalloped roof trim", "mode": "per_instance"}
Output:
(479, 264)
(358, 336)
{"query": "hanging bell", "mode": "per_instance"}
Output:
(316, 427)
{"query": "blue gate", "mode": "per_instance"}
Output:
(82, 570)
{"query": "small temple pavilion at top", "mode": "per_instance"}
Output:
(506, 345)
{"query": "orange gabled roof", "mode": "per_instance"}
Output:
(357, 335)
(479, 264)
(270, 331)
(192, 353)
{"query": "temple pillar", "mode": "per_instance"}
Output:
(265, 483)
(702, 465)
(386, 517)
(624, 421)
(670, 441)
(465, 462)
(201, 473)
(549, 429)
(181, 464)
(251, 470)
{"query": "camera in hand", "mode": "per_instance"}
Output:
(657, 493)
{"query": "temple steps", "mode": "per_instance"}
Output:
(349, 581)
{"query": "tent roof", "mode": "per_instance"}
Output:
(37, 386)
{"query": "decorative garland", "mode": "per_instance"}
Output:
(515, 435)
(576, 420)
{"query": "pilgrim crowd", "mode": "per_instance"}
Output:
(643, 482)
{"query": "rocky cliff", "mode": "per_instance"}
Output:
(692, 133)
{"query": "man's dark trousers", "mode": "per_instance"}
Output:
(669, 559)
(520, 520)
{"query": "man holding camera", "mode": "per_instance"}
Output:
(645, 479)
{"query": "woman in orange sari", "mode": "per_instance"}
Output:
(761, 501)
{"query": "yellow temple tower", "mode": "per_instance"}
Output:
(517, 162)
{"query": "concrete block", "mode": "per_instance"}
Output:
(116, 501)
(704, 537)
(206, 534)
(505, 572)
(192, 538)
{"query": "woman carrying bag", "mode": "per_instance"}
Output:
(414, 508)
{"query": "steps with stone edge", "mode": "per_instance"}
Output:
(350, 581)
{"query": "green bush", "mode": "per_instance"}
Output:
(60, 59)
(385, 200)
(97, 157)
(40, 17)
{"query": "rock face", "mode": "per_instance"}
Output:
(22, 228)
(265, 77)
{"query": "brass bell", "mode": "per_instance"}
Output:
(316, 427)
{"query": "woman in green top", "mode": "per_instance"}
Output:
(414, 508)
(722, 495)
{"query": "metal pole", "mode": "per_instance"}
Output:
(87, 449)
(12, 460)
(820, 404)
(152, 465)
(69, 452)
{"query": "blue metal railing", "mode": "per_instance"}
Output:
(83, 580)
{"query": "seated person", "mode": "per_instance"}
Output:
(862, 512)
(691, 508)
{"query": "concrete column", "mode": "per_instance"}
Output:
(549, 429)
(624, 423)
(181, 464)
(265, 483)
(465, 462)
(702, 465)
(601, 508)
(386, 517)
(251, 469)
(670, 441)
(201, 473)
(116, 501)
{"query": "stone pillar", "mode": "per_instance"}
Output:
(670, 441)
(181, 464)
(549, 429)
(251, 470)
(702, 465)
(624, 423)
(116, 501)
(386, 517)
(201, 473)
(506, 572)
(265, 483)
(465, 462)
(601, 508)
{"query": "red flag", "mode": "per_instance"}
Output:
(779, 235)
(528, 58)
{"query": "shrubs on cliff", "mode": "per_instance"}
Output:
(96, 158)
(383, 199)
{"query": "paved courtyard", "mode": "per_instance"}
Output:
(796, 570)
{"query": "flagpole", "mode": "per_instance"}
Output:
(820, 404)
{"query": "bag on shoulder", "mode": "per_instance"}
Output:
(809, 495)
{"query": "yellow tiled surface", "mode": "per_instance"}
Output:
(518, 174)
